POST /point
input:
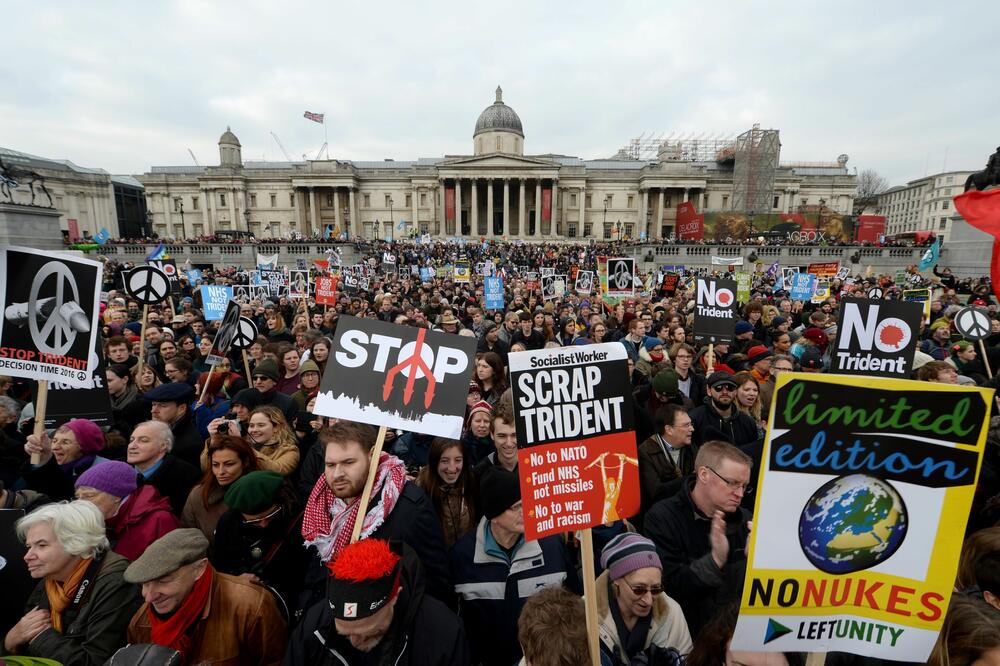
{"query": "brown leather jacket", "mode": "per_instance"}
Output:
(241, 624)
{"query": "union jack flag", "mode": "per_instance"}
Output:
(315, 117)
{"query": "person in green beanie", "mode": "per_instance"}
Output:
(309, 377)
(648, 399)
(259, 537)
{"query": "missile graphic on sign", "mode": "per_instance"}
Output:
(70, 312)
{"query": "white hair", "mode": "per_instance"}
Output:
(78, 526)
(11, 406)
(164, 431)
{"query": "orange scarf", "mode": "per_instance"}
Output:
(61, 594)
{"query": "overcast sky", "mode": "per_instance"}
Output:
(905, 88)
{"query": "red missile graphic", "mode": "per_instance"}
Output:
(414, 363)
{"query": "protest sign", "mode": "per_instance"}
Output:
(426, 274)
(584, 282)
(352, 284)
(876, 338)
(547, 270)
(298, 284)
(241, 293)
(169, 268)
(229, 330)
(743, 287)
(194, 276)
(801, 286)
(147, 284)
(854, 547)
(559, 285)
(50, 315)
(921, 296)
(444, 271)
(493, 293)
(548, 287)
(388, 262)
(843, 273)
(397, 376)
(826, 269)
(715, 311)
(821, 290)
(620, 272)
(92, 403)
(462, 272)
(531, 281)
(214, 299)
(727, 261)
(668, 286)
(326, 290)
(577, 454)
(276, 282)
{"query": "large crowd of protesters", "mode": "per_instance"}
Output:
(209, 519)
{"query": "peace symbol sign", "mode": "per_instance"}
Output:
(875, 293)
(57, 327)
(622, 276)
(246, 333)
(973, 323)
(147, 284)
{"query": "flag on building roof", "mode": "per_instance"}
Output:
(315, 117)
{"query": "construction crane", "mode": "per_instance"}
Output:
(282, 146)
(191, 153)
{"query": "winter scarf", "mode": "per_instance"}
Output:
(328, 521)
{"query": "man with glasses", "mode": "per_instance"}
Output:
(667, 456)
(701, 533)
(781, 363)
(690, 383)
(718, 418)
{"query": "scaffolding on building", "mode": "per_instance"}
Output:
(756, 159)
(678, 147)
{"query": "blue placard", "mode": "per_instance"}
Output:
(426, 274)
(194, 275)
(215, 298)
(802, 286)
(493, 291)
(102, 236)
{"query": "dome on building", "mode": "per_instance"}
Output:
(498, 117)
(229, 138)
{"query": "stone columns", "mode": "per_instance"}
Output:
(232, 209)
(474, 213)
(644, 212)
(355, 221)
(168, 204)
(538, 208)
(583, 212)
(703, 197)
(489, 208)
(554, 228)
(415, 211)
(658, 222)
(432, 222)
(506, 207)
(686, 191)
(204, 214)
(458, 208)
(520, 207)
(786, 201)
(338, 216)
(313, 212)
(213, 200)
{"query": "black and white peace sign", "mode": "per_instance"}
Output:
(973, 323)
(246, 334)
(621, 275)
(57, 334)
(875, 293)
(147, 284)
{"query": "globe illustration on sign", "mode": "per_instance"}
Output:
(852, 523)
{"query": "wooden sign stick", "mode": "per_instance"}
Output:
(986, 360)
(711, 359)
(142, 344)
(246, 364)
(41, 400)
(369, 482)
(204, 390)
(816, 659)
(590, 597)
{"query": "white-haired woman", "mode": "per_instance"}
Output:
(81, 607)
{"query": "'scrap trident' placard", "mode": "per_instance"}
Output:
(577, 457)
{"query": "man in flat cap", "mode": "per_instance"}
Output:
(172, 405)
(376, 612)
(209, 617)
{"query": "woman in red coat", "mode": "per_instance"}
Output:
(135, 517)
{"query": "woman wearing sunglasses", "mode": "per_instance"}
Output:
(637, 617)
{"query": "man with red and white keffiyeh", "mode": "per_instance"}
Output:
(398, 509)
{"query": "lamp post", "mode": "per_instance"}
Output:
(378, 229)
(392, 223)
(604, 222)
(246, 218)
(182, 215)
(620, 228)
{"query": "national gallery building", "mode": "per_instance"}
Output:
(499, 191)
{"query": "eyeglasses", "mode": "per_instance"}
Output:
(643, 590)
(743, 488)
(689, 424)
(253, 521)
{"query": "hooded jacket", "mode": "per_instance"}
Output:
(142, 518)
(423, 632)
